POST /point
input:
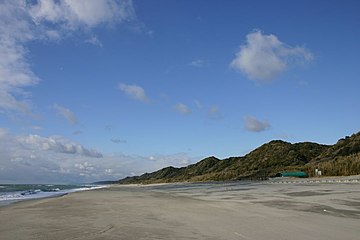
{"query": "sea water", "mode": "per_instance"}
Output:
(10, 193)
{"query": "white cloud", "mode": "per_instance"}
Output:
(44, 20)
(134, 91)
(74, 14)
(66, 113)
(55, 159)
(197, 63)
(264, 57)
(254, 125)
(37, 128)
(15, 71)
(33, 158)
(94, 41)
(56, 144)
(182, 108)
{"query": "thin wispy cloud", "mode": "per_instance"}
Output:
(15, 71)
(179, 159)
(37, 128)
(197, 63)
(118, 140)
(182, 108)
(77, 132)
(302, 83)
(263, 57)
(44, 20)
(253, 124)
(214, 113)
(66, 113)
(150, 33)
(108, 127)
(134, 91)
(94, 41)
(198, 104)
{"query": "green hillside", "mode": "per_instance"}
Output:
(342, 158)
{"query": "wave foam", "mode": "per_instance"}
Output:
(38, 193)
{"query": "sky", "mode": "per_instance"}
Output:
(103, 89)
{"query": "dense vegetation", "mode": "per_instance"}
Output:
(340, 159)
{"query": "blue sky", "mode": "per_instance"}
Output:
(102, 89)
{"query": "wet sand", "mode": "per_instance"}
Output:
(191, 211)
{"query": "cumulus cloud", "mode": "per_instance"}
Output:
(263, 57)
(182, 108)
(33, 158)
(134, 91)
(66, 113)
(55, 159)
(56, 144)
(44, 20)
(254, 125)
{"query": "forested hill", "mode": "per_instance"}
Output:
(340, 159)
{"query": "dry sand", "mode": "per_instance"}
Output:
(196, 211)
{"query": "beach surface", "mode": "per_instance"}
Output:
(272, 210)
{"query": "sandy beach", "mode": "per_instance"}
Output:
(192, 211)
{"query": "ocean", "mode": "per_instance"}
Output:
(10, 193)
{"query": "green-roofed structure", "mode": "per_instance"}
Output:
(294, 174)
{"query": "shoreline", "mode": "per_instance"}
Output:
(60, 193)
(6, 203)
(210, 211)
(279, 180)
